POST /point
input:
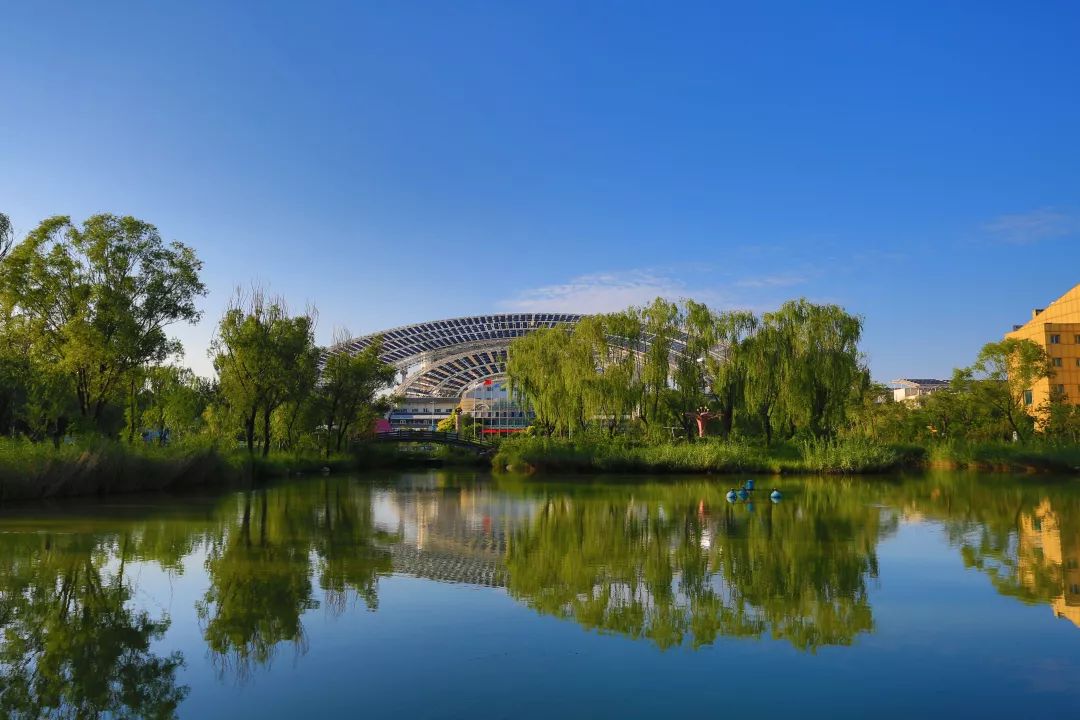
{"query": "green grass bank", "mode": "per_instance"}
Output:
(32, 471)
(828, 457)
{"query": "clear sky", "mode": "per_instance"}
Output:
(394, 162)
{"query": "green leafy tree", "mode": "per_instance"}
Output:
(718, 342)
(818, 366)
(534, 366)
(7, 236)
(660, 326)
(1061, 419)
(765, 354)
(175, 399)
(348, 387)
(97, 299)
(459, 422)
(264, 357)
(1003, 373)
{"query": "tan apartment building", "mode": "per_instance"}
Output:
(1056, 328)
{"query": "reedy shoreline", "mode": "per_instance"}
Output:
(35, 471)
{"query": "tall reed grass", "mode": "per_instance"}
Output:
(708, 456)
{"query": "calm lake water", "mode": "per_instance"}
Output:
(449, 595)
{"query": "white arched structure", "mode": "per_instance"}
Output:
(445, 358)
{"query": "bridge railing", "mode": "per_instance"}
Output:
(435, 436)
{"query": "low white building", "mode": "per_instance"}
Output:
(906, 389)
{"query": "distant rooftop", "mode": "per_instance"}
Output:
(919, 382)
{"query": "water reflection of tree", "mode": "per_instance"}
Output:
(351, 553)
(1024, 535)
(72, 646)
(261, 569)
(683, 565)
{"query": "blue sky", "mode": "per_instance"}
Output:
(394, 162)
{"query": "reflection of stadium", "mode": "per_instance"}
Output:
(460, 361)
(457, 535)
(1046, 547)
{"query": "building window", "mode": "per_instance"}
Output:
(1027, 397)
(1076, 339)
(1060, 389)
(1056, 362)
(1055, 339)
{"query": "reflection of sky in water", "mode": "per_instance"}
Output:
(945, 636)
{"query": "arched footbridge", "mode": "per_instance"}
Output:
(439, 438)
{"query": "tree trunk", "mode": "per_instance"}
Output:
(727, 419)
(132, 409)
(341, 434)
(249, 431)
(266, 431)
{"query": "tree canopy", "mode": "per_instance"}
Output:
(667, 364)
(96, 300)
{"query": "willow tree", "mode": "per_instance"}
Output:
(534, 367)
(580, 374)
(660, 327)
(764, 356)
(97, 299)
(818, 365)
(718, 341)
(686, 396)
(612, 382)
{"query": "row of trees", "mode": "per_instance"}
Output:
(793, 372)
(666, 365)
(84, 349)
(988, 401)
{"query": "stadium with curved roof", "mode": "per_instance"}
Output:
(446, 358)
(460, 363)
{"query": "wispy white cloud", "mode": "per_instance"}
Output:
(1031, 227)
(612, 291)
(607, 292)
(771, 281)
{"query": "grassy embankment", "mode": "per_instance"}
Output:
(38, 470)
(848, 456)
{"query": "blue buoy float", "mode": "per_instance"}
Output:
(731, 496)
(749, 484)
(775, 495)
(743, 494)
